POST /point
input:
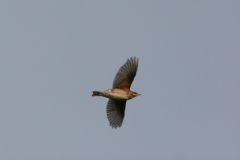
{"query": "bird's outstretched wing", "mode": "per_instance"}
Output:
(115, 112)
(126, 74)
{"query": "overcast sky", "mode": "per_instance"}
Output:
(53, 54)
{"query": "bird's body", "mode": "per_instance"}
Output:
(120, 93)
(116, 94)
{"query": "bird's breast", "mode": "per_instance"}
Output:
(118, 94)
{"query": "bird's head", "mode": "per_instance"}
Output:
(134, 94)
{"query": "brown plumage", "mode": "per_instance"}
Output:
(120, 93)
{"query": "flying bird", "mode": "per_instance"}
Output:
(120, 93)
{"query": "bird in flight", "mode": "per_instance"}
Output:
(120, 93)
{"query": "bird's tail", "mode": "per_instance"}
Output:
(96, 93)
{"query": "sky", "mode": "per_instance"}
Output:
(53, 54)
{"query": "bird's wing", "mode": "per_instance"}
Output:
(115, 112)
(126, 74)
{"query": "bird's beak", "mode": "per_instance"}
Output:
(139, 94)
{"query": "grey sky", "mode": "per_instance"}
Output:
(53, 54)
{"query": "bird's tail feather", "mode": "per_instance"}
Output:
(96, 93)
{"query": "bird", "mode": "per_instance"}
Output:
(120, 92)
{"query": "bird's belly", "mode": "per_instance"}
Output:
(118, 96)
